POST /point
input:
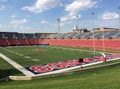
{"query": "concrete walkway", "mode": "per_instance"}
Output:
(17, 66)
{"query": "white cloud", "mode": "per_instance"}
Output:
(13, 16)
(43, 22)
(70, 17)
(65, 23)
(3, 0)
(109, 23)
(62, 5)
(28, 15)
(78, 5)
(2, 7)
(17, 22)
(109, 15)
(0, 25)
(41, 5)
(25, 27)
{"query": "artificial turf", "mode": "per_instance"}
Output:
(45, 55)
(108, 78)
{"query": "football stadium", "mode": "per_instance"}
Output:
(79, 58)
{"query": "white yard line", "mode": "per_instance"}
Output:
(80, 50)
(19, 54)
(17, 66)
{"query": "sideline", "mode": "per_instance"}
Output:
(16, 65)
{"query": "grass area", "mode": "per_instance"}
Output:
(107, 78)
(46, 54)
(6, 69)
(27, 56)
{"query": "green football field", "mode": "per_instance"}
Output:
(107, 78)
(35, 55)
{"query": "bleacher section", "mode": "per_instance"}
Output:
(111, 41)
(113, 44)
(110, 34)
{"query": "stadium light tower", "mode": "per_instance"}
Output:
(93, 19)
(77, 21)
(58, 27)
(119, 16)
(93, 31)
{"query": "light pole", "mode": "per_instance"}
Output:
(119, 16)
(93, 19)
(58, 27)
(93, 31)
(77, 21)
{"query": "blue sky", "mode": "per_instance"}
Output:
(33, 16)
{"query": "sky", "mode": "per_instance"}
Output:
(35, 16)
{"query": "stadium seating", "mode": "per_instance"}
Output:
(110, 34)
(74, 40)
(114, 44)
(3, 42)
